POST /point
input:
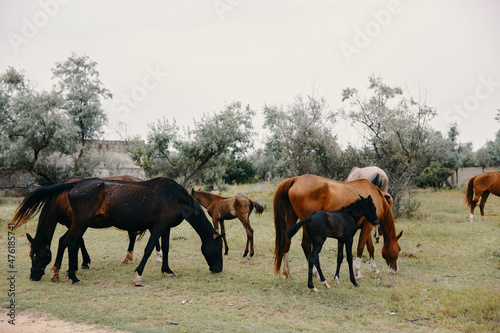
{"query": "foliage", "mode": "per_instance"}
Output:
(396, 126)
(46, 133)
(33, 129)
(301, 139)
(226, 134)
(489, 155)
(81, 91)
(434, 176)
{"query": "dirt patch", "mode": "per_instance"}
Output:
(36, 322)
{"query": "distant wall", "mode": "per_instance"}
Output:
(463, 175)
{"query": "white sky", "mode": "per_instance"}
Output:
(266, 52)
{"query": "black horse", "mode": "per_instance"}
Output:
(158, 205)
(342, 225)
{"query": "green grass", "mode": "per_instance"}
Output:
(450, 277)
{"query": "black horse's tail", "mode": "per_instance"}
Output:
(35, 201)
(293, 230)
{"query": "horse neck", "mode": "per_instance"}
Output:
(355, 213)
(204, 199)
(387, 224)
(195, 216)
(46, 227)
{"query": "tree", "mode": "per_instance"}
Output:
(301, 139)
(396, 125)
(188, 158)
(34, 132)
(80, 88)
(489, 155)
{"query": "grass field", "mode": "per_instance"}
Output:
(449, 279)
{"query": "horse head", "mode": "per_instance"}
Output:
(369, 210)
(390, 252)
(40, 256)
(212, 251)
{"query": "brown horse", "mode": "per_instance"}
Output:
(228, 208)
(298, 197)
(480, 186)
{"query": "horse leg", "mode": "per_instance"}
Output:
(313, 260)
(340, 258)
(306, 247)
(85, 255)
(73, 243)
(371, 252)
(363, 240)
(348, 250)
(159, 253)
(377, 233)
(478, 194)
(484, 197)
(249, 230)
(165, 241)
(129, 256)
(223, 233)
(155, 236)
(60, 253)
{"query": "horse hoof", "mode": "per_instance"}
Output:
(171, 275)
(85, 267)
(359, 277)
(138, 280)
(77, 283)
(313, 289)
(55, 279)
(337, 281)
(124, 262)
(327, 286)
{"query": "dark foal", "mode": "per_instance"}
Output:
(342, 225)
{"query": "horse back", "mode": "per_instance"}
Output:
(488, 181)
(312, 193)
(130, 206)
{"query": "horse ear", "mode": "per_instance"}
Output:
(400, 234)
(30, 239)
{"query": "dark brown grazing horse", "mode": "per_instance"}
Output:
(62, 213)
(158, 205)
(298, 197)
(228, 208)
(481, 186)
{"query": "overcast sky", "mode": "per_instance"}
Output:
(181, 59)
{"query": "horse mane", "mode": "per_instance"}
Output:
(387, 223)
(35, 201)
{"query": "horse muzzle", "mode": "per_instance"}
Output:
(216, 269)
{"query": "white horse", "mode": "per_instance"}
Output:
(377, 177)
(373, 174)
